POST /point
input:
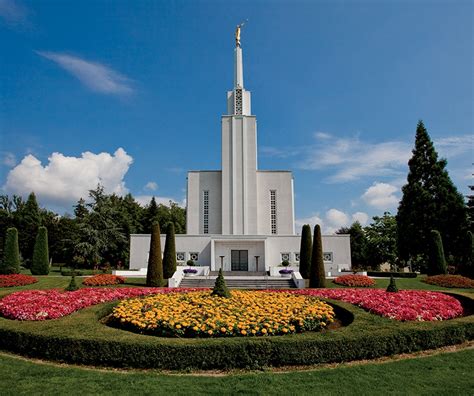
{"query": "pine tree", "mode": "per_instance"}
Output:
(154, 276)
(11, 253)
(72, 284)
(40, 262)
(169, 254)
(470, 208)
(430, 202)
(220, 288)
(392, 286)
(151, 215)
(437, 261)
(317, 277)
(305, 251)
(28, 219)
(467, 265)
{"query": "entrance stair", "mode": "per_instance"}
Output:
(244, 280)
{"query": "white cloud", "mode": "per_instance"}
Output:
(381, 196)
(151, 186)
(66, 179)
(332, 220)
(269, 151)
(144, 200)
(352, 159)
(361, 217)
(12, 12)
(8, 159)
(97, 77)
(322, 135)
(454, 145)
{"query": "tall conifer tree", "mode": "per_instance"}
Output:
(430, 202)
(40, 262)
(154, 276)
(317, 274)
(11, 253)
(169, 254)
(305, 251)
(28, 219)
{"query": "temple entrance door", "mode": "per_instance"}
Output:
(239, 260)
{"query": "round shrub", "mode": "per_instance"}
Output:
(103, 280)
(16, 280)
(450, 281)
(245, 313)
(354, 281)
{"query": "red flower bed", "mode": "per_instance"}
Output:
(53, 304)
(404, 305)
(354, 281)
(16, 280)
(450, 281)
(103, 280)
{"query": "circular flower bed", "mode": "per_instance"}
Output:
(450, 281)
(103, 280)
(246, 313)
(354, 281)
(16, 280)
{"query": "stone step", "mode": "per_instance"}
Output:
(241, 283)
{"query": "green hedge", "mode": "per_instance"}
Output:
(366, 338)
(381, 274)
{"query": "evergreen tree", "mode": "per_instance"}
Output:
(40, 262)
(470, 208)
(358, 244)
(430, 202)
(80, 210)
(151, 216)
(169, 254)
(381, 244)
(305, 251)
(467, 265)
(392, 286)
(437, 261)
(220, 288)
(154, 276)
(72, 284)
(11, 253)
(317, 277)
(28, 219)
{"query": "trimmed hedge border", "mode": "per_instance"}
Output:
(381, 274)
(247, 353)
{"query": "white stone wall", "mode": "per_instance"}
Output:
(282, 182)
(198, 182)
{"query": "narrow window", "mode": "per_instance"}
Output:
(273, 211)
(206, 212)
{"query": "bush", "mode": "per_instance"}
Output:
(154, 275)
(317, 277)
(285, 263)
(72, 284)
(11, 253)
(437, 261)
(305, 251)
(467, 263)
(381, 274)
(14, 280)
(40, 263)
(190, 263)
(450, 281)
(220, 288)
(392, 286)
(354, 281)
(103, 280)
(169, 254)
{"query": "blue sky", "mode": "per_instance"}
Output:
(131, 93)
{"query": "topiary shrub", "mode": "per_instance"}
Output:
(392, 286)
(305, 251)
(169, 254)
(11, 253)
(190, 263)
(317, 277)
(285, 263)
(437, 261)
(40, 263)
(154, 275)
(220, 288)
(72, 284)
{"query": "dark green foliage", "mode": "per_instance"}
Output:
(381, 241)
(28, 219)
(154, 276)
(317, 277)
(392, 286)
(430, 202)
(164, 214)
(11, 253)
(470, 208)
(358, 244)
(437, 261)
(467, 263)
(169, 254)
(190, 263)
(220, 288)
(381, 274)
(285, 263)
(72, 284)
(40, 262)
(305, 251)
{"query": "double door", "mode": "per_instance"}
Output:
(239, 260)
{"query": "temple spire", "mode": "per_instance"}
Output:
(238, 66)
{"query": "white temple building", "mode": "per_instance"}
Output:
(241, 218)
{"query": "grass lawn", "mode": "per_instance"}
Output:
(442, 374)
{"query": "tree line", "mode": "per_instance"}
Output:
(97, 234)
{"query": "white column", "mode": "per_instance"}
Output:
(238, 68)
